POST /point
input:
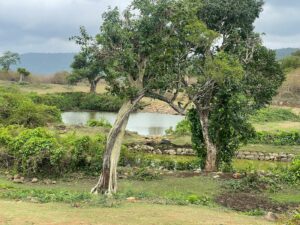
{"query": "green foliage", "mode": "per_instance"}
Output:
(45, 196)
(295, 168)
(34, 149)
(86, 64)
(80, 101)
(144, 174)
(274, 115)
(9, 58)
(278, 138)
(17, 108)
(38, 151)
(182, 128)
(158, 161)
(291, 62)
(102, 122)
(254, 182)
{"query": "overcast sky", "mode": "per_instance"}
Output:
(46, 25)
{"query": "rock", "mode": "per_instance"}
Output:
(165, 142)
(131, 199)
(216, 177)
(47, 181)
(17, 176)
(34, 200)
(237, 176)
(197, 171)
(53, 182)
(9, 177)
(271, 216)
(19, 181)
(34, 180)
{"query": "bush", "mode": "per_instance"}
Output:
(274, 115)
(17, 108)
(99, 123)
(295, 168)
(80, 101)
(144, 174)
(182, 128)
(279, 138)
(36, 149)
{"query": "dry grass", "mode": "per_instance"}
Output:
(278, 126)
(129, 214)
(53, 88)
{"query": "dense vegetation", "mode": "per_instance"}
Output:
(79, 101)
(17, 108)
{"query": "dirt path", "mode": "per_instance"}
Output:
(21, 213)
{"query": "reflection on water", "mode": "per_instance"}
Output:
(143, 123)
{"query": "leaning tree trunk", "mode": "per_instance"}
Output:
(211, 149)
(21, 78)
(93, 86)
(107, 183)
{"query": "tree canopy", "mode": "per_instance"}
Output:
(9, 58)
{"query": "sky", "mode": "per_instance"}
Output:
(46, 25)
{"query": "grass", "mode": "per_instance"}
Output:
(52, 88)
(255, 165)
(133, 214)
(75, 193)
(271, 148)
(289, 194)
(277, 126)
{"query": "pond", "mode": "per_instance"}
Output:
(142, 123)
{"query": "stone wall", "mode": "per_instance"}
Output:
(280, 157)
(175, 150)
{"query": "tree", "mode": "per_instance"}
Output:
(8, 59)
(131, 46)
(230, 80)
(23, 73)
(86, 64)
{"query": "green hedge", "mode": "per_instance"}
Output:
(79, 101)
(279, 138)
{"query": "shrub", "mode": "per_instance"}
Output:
(17, 108)
(182, 128)
(274, 114)
(295, 168)
(36, 149)
(279, 138)
(144, 174)
(80, 101)
(99, 123)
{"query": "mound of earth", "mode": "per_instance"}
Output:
(247, 202)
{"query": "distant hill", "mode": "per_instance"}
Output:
(283, 52)
(46, 63)
(49, 63)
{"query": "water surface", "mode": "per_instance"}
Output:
(143, 123)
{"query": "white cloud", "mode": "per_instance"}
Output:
(46, 25)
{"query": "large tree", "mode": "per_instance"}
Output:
(226, 77)
(86, 66)
(131, 46)
(9, 58)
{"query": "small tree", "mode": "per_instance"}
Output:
(86, 64)
(8, 59)
(23, 73)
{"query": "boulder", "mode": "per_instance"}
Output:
(271, 216)
(34, 180)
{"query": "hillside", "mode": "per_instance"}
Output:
(46, 63)
(283, 52)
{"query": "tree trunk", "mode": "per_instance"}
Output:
(21, 78)
(211, 149)
(107, 183)
(93, 86)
